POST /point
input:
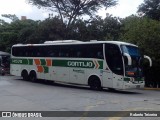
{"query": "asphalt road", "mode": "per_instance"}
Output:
(19, 95)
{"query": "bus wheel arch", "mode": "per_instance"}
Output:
(24, 74)
(33, 76)
(94, 82)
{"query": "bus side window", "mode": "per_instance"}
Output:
(27, 52)
(80, 51)
(38, 54)
(60, 54)
(79, 54)
(99, 55)
(71, 51)
(50, 53)
(65, 51)
(20, 51)
(24, 52)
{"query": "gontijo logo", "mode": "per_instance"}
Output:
(79, 64)
(86, 64)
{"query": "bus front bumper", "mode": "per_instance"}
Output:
(131, 85)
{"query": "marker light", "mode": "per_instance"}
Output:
(130, 73)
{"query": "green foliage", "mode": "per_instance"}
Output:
(150, 8)
(96, 29)
(48, 30)
(13, 18)
(15, 32)
(72, 9)
(144, 32)
(112, 28)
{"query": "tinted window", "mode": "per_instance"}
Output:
(75, 51)
(131, 50)
(95, 51)
(114, 58)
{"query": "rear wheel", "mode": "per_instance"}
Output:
(33, 76)
(95, 83)
(25, 75)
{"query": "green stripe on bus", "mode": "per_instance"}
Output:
(22, 61)
(77, 63)
(19, 61)
(46, 69)
(30, 61)
(96, 64)
(101, 64)
(43, 61)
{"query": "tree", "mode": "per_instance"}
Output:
(15, 32)
(144, 32)
(26, 30)
(150, 8)
(112, 28)
(70, 10)
(13, 18)
(49, 30)
(95, 28)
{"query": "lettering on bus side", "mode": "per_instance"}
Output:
(17, 61)
(22, 61)
(80, 64)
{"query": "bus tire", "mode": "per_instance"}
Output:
(24, 75)
(33, 76)
(94, 83)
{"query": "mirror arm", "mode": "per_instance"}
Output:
(129, 58)
(150, 60)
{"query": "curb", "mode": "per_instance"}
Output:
(151, 88)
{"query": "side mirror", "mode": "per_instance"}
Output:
(129, 58)
(149, 59)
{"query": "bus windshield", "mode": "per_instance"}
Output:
(131, 50)
(135, 69)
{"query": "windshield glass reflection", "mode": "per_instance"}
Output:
(135, 69)
(131, 50)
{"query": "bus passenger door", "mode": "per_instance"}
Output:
(114, 66)
(107, 78)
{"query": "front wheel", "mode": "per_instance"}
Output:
(95, 84)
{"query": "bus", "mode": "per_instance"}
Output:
(4, 63)
(98, 64)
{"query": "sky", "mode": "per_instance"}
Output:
(20, 8)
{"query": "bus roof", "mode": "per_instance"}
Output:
(74, 42)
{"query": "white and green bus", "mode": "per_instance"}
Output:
(98, 64)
